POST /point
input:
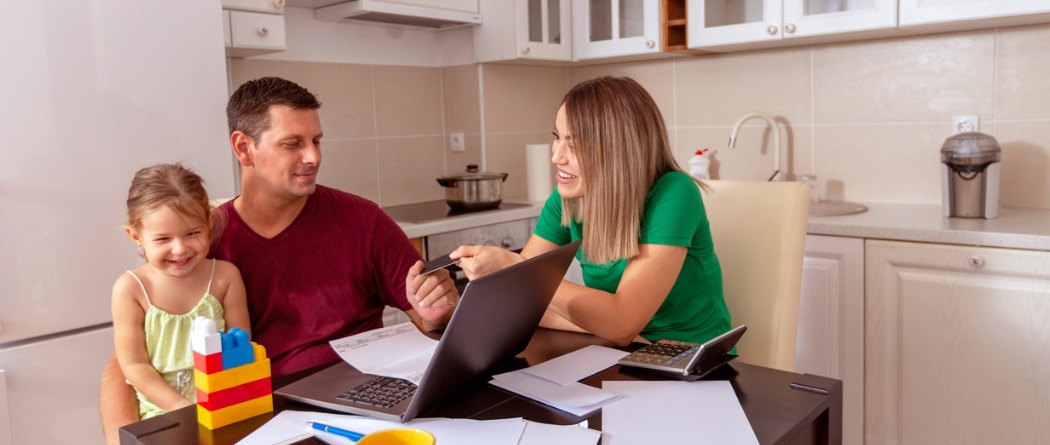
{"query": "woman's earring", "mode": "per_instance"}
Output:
(142, 251)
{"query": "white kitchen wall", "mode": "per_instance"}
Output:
(867, 117)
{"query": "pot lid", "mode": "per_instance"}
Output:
(970, 148)
(473, 173)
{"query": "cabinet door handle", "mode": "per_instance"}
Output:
(263, 31)
(650, 44)
(976, 262)
(772, 30)
(278, 3)
(525, 50)
(789, 28)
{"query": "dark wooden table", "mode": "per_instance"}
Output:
(778, 413)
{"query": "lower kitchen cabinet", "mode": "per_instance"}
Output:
(957, 344)
(831, 322)
(49, 389)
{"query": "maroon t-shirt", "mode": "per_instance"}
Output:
(328, 275)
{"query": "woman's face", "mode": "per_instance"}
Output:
(563, 156)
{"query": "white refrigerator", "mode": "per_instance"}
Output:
(90, 91)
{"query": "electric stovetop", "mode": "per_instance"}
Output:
(436, 210)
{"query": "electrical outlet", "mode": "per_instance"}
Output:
(455, 142)
(963, 124)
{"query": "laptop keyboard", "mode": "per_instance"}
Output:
(671, 355)
(383, 392)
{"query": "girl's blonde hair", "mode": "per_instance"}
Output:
(175, 187)
(620, 142)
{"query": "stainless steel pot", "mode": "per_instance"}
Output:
(473, 189)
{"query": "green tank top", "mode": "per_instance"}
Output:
(169, 347)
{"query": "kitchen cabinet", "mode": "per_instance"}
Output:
(253, 27)
(530, 30)
(948, 15)
(53, 382)
(615, 28)
(831, 322)
(957, 344)
(719, 25)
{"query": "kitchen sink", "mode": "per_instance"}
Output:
(836, 208)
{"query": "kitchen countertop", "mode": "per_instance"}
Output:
(471, 220)
(1014, 228)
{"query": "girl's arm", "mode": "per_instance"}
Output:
(130, 340)
(619, 317)
(235, 299)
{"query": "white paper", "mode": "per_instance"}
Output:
(555, 382)
(290, 424)
(399, 351)
(576, 398)
(703, 412)
(576, 365)
(545, 434)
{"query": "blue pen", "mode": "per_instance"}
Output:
(337, 431)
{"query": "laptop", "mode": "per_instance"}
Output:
(686, 361)
(495, 319)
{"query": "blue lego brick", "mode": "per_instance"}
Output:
(237, 349)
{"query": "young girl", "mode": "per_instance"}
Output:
(154, 306)
(647, 257)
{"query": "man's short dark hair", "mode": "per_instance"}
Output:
(249, 106)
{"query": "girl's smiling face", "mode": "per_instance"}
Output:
(563, 156)
(173, 244)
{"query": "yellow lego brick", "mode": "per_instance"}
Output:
(260, 351)
(232, 377)
(235, 413)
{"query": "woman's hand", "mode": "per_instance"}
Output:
(478, 261)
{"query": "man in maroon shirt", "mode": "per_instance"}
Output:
(318, 264)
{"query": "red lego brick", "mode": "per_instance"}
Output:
(232, 396)
(208, 364)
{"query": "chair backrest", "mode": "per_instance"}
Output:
(759, 232)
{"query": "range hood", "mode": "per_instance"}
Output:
(396, 12)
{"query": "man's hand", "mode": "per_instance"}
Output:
(433, 296)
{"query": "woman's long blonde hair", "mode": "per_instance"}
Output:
(620, 143)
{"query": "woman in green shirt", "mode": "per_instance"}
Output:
(649, 265)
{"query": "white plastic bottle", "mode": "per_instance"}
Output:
(699, 165)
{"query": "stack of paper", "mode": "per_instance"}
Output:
(291, 426)
(556, 382)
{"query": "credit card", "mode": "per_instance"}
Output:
(438, 263)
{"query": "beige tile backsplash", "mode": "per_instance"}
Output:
(868, 118)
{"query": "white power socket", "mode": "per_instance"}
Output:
(967, 123)
(455, 142)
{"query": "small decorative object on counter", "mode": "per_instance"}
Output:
(699, 165)
(232, 375)
(811, 183)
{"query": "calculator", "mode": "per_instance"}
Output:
(686, 360)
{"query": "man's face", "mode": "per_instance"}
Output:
(287, 156)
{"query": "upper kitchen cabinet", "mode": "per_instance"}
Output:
(615, 28)
(532, 30)
(952, 15)
(253, 27)
(718, 25)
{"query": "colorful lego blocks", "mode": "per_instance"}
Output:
(232, 375)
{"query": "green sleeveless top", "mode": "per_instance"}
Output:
(169, 347)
